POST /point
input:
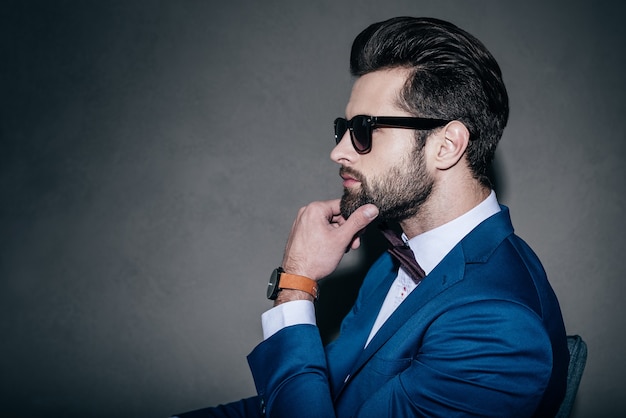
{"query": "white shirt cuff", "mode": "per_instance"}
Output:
(296, 312)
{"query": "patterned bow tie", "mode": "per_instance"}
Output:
(402, 253)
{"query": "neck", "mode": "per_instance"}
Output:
(445, 204)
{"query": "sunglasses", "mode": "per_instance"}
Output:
(361, 127)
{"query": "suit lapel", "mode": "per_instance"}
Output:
(343, 352)
(449, 272)
(476, 247)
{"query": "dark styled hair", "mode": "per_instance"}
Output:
(453, 77)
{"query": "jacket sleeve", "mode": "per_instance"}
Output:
(245, 408)
(290, 374)
(488, 358)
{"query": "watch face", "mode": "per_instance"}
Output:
(272, 286)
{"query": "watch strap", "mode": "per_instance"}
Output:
(295, 282)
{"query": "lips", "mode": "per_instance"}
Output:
(350, 177)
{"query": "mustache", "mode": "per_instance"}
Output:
(351, 172)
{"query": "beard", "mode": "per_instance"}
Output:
(398, 194)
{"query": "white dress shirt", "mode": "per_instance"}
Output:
(429, 249)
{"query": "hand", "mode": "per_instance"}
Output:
(320, 237)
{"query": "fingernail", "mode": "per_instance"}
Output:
(370, 211)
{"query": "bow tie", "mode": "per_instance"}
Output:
(403, 254)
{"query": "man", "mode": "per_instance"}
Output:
(472, 329)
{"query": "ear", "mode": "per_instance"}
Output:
(451, 145)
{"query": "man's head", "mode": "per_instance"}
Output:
(452, 76)
(426, 68)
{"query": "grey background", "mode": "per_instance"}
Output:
(153, 155)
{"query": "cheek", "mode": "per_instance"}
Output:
(393, 150)
(392, 147)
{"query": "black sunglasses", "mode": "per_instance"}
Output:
(361, 127)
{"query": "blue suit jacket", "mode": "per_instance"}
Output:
(481, 336)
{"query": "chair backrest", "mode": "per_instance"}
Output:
(577, 360)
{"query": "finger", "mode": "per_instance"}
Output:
(333, 208)
(360, 219)
(356, 242)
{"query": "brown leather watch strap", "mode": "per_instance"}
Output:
(295, 282)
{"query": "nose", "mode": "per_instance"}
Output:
(344, 152)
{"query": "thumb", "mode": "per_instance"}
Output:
(360, 218)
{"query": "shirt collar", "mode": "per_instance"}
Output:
(432, 246)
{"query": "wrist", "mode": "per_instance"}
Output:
(294, 268)
(289, 295)
(281, 281)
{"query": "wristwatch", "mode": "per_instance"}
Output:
(280, 280)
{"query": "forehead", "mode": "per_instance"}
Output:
(377, 93)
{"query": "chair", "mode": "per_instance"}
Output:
(578, 358)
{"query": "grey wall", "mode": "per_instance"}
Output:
(154, 153)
